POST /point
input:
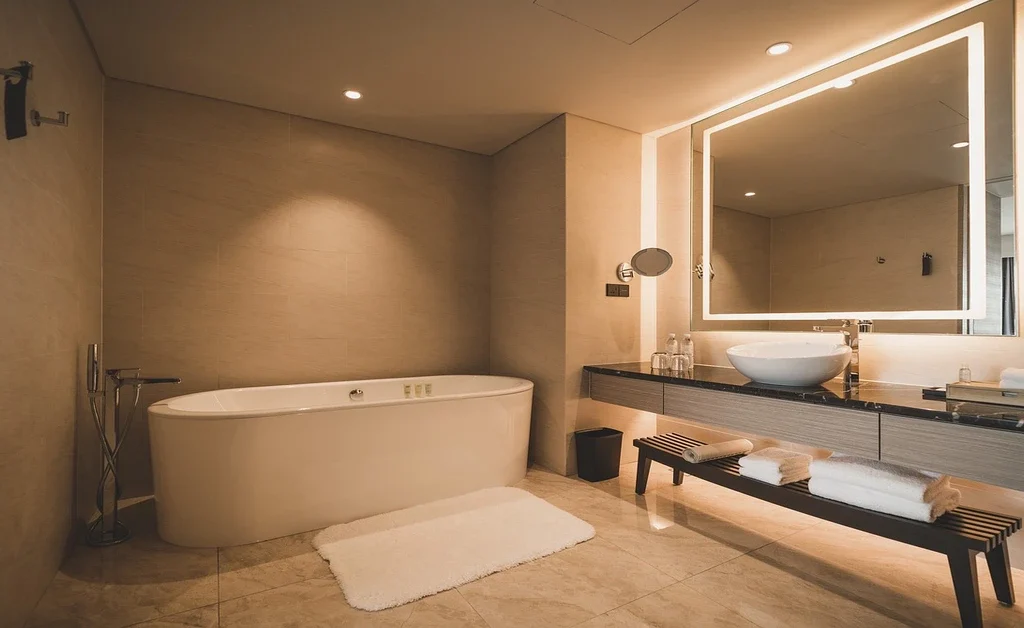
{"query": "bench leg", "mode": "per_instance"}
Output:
(964, 569)
(998, 559)
(643, 470)
(677, 477)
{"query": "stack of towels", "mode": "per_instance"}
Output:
(775, 465)
(1012, 378)
(883, 487)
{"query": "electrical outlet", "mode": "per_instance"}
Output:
(616, 290)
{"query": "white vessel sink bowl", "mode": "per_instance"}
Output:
(790, 363)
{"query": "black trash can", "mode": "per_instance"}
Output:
(597, 453)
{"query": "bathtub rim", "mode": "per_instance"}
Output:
(162, 408)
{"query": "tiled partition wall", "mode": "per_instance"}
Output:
(528, 279)
(566, 212)
(246, 247)
(602, 231)
(50, 224)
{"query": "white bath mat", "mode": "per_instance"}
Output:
(398, 557)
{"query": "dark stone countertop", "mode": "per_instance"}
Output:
(900, 399)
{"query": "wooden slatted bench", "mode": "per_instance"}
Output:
(960, 534)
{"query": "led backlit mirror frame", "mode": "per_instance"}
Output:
(974, 34)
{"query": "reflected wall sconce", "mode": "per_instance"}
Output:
(699, 269)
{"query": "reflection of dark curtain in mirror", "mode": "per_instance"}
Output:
(1009, 302)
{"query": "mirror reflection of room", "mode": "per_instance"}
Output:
(857, 198)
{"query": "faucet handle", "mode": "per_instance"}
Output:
(865, 326)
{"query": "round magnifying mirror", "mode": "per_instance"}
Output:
(651, 262)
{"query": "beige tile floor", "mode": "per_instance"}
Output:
(693, 555)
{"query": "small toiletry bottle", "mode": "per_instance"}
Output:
(671, 345)
(965, 374)
(688, 348)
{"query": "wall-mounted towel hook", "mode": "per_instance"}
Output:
(39, 120)
(15, 95)
(21, 71)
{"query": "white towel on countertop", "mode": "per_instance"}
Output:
(884, 477)
(944, 500)
(715, 451)
(775, 459)
(774, 476)
(1012, 378)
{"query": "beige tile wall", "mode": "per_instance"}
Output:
(50, 226)
(245, 247)
(602, 225)
(566, 212)
(844, 242)
(528, 279)
(741, 255)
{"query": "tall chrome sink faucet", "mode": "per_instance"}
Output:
(851, 330)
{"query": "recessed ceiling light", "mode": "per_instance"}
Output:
(843, 84)
(780, 48)
(750, 194)
(352, 94)
(960, 145)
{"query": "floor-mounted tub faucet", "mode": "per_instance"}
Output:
(851, 330)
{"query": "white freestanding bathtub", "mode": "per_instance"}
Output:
(247, 464)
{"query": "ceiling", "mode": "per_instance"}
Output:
(887, 135)
(479, 74)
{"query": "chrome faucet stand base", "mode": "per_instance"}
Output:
(107, 529)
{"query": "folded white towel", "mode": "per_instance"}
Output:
(775, 459)
(1012, 378)
(944, 500)
(715, 451)
(883, 477)
(773, 476)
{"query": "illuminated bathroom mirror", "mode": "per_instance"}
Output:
(880, 188)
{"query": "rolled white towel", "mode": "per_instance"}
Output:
(775, 477)
(1012, 378)
(715, 451)
(942, 502)
(884, 477)
(775, 459)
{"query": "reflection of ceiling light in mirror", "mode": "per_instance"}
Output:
(780, 48)
(960, 145)
(844, 84)
(352, 94)
(750, 194)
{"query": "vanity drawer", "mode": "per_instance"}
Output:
(624, 391)
(975, 453)
(847, 431)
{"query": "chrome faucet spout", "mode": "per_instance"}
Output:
(851, 330)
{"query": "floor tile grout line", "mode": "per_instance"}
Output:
(636, 599)
(470, 604)
(218, 587)
(274, 588)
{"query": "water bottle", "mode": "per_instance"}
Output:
(671, 345)
(688, 348)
